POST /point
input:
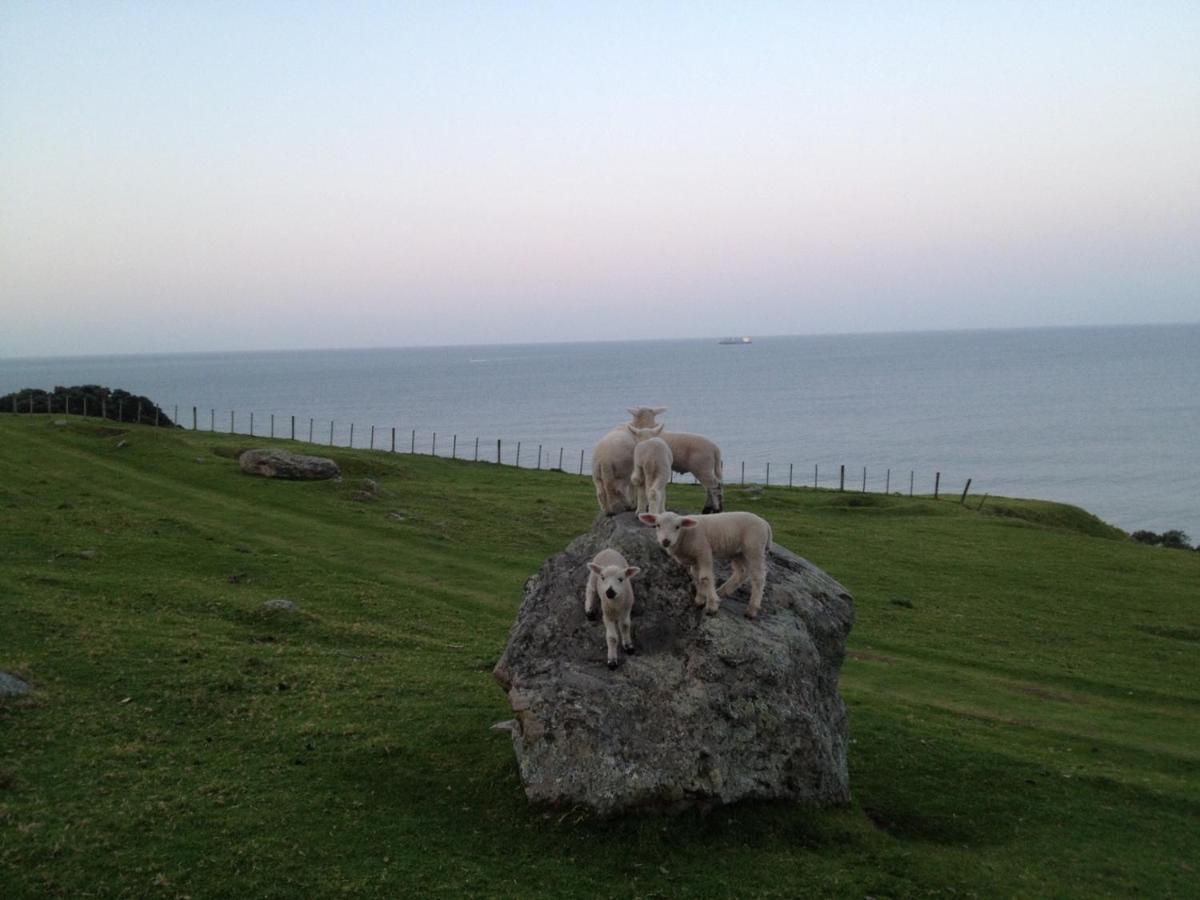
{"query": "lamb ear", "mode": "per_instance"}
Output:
(633, 411)
(648, 518)
(595, 568)
(688, 522)
(658, 410)
(632, 571)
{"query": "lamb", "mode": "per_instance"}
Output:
(651, 469)
(610, 580)
(694, 541)
(697, 455)
(612, 462)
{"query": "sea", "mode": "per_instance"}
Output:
(1104, 418)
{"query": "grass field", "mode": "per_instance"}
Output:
(1023, 685)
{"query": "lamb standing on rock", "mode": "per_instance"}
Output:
(610, 580)
(612, 461)
(697, 455)
(651, 469)
(694, 541)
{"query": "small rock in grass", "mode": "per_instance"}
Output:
(88, 554)
(280, 604)
(122, 444)
(12, 686)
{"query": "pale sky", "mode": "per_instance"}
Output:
(216, 175)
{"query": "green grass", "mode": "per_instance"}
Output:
(1022, 681)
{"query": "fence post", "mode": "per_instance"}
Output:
(842, 478)
(194, 418)
(231, 421)
(816, 468)
(497, 451)
(293, 428)
(768, 474)
(310, 429)
(331, 432)
(351, 434)
(393, 438)
(372, 446)
(790, 474)
(518, 454)
(476, 448)
(273, 425)
(937, 481)
(84, 404)
(580, 462)
(433, 449)
(887, 485)
(539, 465)
(864, 490)
(963, 499)
(139, 418)
(743, 471)
(560, 455)
(176, 420)
(454, 447)
(251, 423)
(910, 482)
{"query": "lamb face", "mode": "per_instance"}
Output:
(611, 580)
(668, 527)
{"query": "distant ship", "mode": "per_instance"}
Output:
(741, 340)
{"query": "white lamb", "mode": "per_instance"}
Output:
(697, 455)
(612, 462)
(651, 469)
(611, 580)
(694, 541)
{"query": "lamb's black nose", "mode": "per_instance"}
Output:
(610, 593)
(666, 543)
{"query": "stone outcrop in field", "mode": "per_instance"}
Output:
(272, 463)
(709, 709)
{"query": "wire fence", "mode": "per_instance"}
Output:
(497, 451)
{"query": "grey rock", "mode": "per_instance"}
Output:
(87, 554)
(12, 686)
(60, 422)
(272, 463)
(280, 604)
(709, 710)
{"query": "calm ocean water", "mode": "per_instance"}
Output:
(1107, 418)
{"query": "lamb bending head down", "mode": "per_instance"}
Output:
(694, 541)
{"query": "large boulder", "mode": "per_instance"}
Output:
(708, 710)
(273, 463)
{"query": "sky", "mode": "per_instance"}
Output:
(253, 175)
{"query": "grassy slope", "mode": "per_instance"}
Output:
(1024, 720)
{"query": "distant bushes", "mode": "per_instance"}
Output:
(1173, 539)
(87, 400)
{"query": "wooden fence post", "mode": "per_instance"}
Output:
(393, 438)
(231, 421)
(176, 419)
(768, 474)
(412, 445)
(910, 482)
(539, 465)
(842, 478)
(963, 498)
(743, 471)
(497, 451)
(864, 490)
(251, 423)
(580, 462)
(212, 419)
(293, 428)
(139, 418)
(84, 404)
(372, 446)
(887, 486)
(351, 434)
(310, 429)
(454, 447)
(560, 456)
(518, 463)
(937, 481)
(476, 448)
(194, 418)
(816, 472)
(331, 432)
(790, 474)
(433, 449)
(273, 426)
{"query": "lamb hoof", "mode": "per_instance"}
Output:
(612, 663)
